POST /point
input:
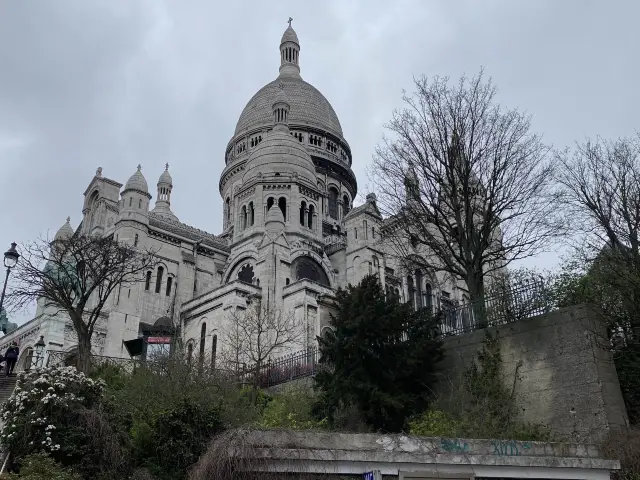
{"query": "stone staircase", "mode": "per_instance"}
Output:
(7, 384)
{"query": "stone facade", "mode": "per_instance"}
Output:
(290, 233)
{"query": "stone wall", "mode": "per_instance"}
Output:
(562, 370)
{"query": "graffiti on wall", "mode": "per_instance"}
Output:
(510, 448)
(454, 445)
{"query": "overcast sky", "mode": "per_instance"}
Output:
(89, 83)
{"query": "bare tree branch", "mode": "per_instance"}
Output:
(258, 334)
(464, 182)
(77, 275)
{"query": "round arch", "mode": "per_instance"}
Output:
(247, 259)
(307, 267)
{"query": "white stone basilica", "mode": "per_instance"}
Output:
(290, 235)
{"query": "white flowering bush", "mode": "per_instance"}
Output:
(41, 414)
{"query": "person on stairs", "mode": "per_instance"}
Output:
(11, 357)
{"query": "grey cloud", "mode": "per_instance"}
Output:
(114, 83)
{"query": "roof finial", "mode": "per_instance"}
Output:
(166, 166)
(68, 219)
(290, 20)
(139, 167)
(99, 172)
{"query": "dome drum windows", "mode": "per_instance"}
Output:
(247, 216)
(241, 147)
(306, 215)
(297, 135)
(333, 203)
(332, 147)
(255, 141)
(315, 140)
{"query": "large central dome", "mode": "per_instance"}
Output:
(308, 107)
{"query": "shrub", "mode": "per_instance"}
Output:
(480, 406)
(40, 466)
(625, 446)
(41, 414)
(291, 408)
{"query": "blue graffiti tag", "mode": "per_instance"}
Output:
(454, 445)
(509, 448)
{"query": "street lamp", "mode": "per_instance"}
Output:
(39, 346)
(11, 257)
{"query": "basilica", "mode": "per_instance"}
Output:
(290, 235)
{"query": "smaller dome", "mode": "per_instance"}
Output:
(290, 35)
(281, 97)
(280, 154)
(137, 182)
(66, 231)
(274, 222)
(165, 178)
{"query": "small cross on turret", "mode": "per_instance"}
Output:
(290, 20)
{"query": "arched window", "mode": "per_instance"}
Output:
(243, 219)
(147, 282)
(333, 203)
(355, 233)
(410, 290)
(419, 287)
(373, 232)
(228, 211)
(140, 203)
(159, 279)
(282, 203)
(189, 353)
(130, 200)
(135, 240)
(310, 215)
(252, 214)
(428, 292)
(345, 206)
(203, 335)
(303, 207)
(366, 231)
(169, 282)
(270, 202)
(214, 351)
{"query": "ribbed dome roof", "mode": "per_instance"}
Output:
(165, 178)
(289, 35)
(66, 231)
(280, 152)
(308, 107)
(137, 182)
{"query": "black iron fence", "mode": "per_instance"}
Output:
(501, 306)
(68, 358)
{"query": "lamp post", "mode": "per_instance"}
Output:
(11, 257)
(39, 350)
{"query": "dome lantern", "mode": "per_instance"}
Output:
(289, 53)
(163, 199)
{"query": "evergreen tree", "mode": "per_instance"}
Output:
(380, 358)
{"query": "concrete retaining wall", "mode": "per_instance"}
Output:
(563, 373)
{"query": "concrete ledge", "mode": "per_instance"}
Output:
(341, 453)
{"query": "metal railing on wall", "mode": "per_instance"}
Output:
(501, 306)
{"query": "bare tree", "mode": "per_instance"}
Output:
(601, 193)
(77, 275)
(257, 334)
(465, 182)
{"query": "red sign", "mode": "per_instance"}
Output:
(159, 340)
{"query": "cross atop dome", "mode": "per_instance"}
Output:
(290, 20)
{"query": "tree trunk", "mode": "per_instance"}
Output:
(475, 284)
(83, 360)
